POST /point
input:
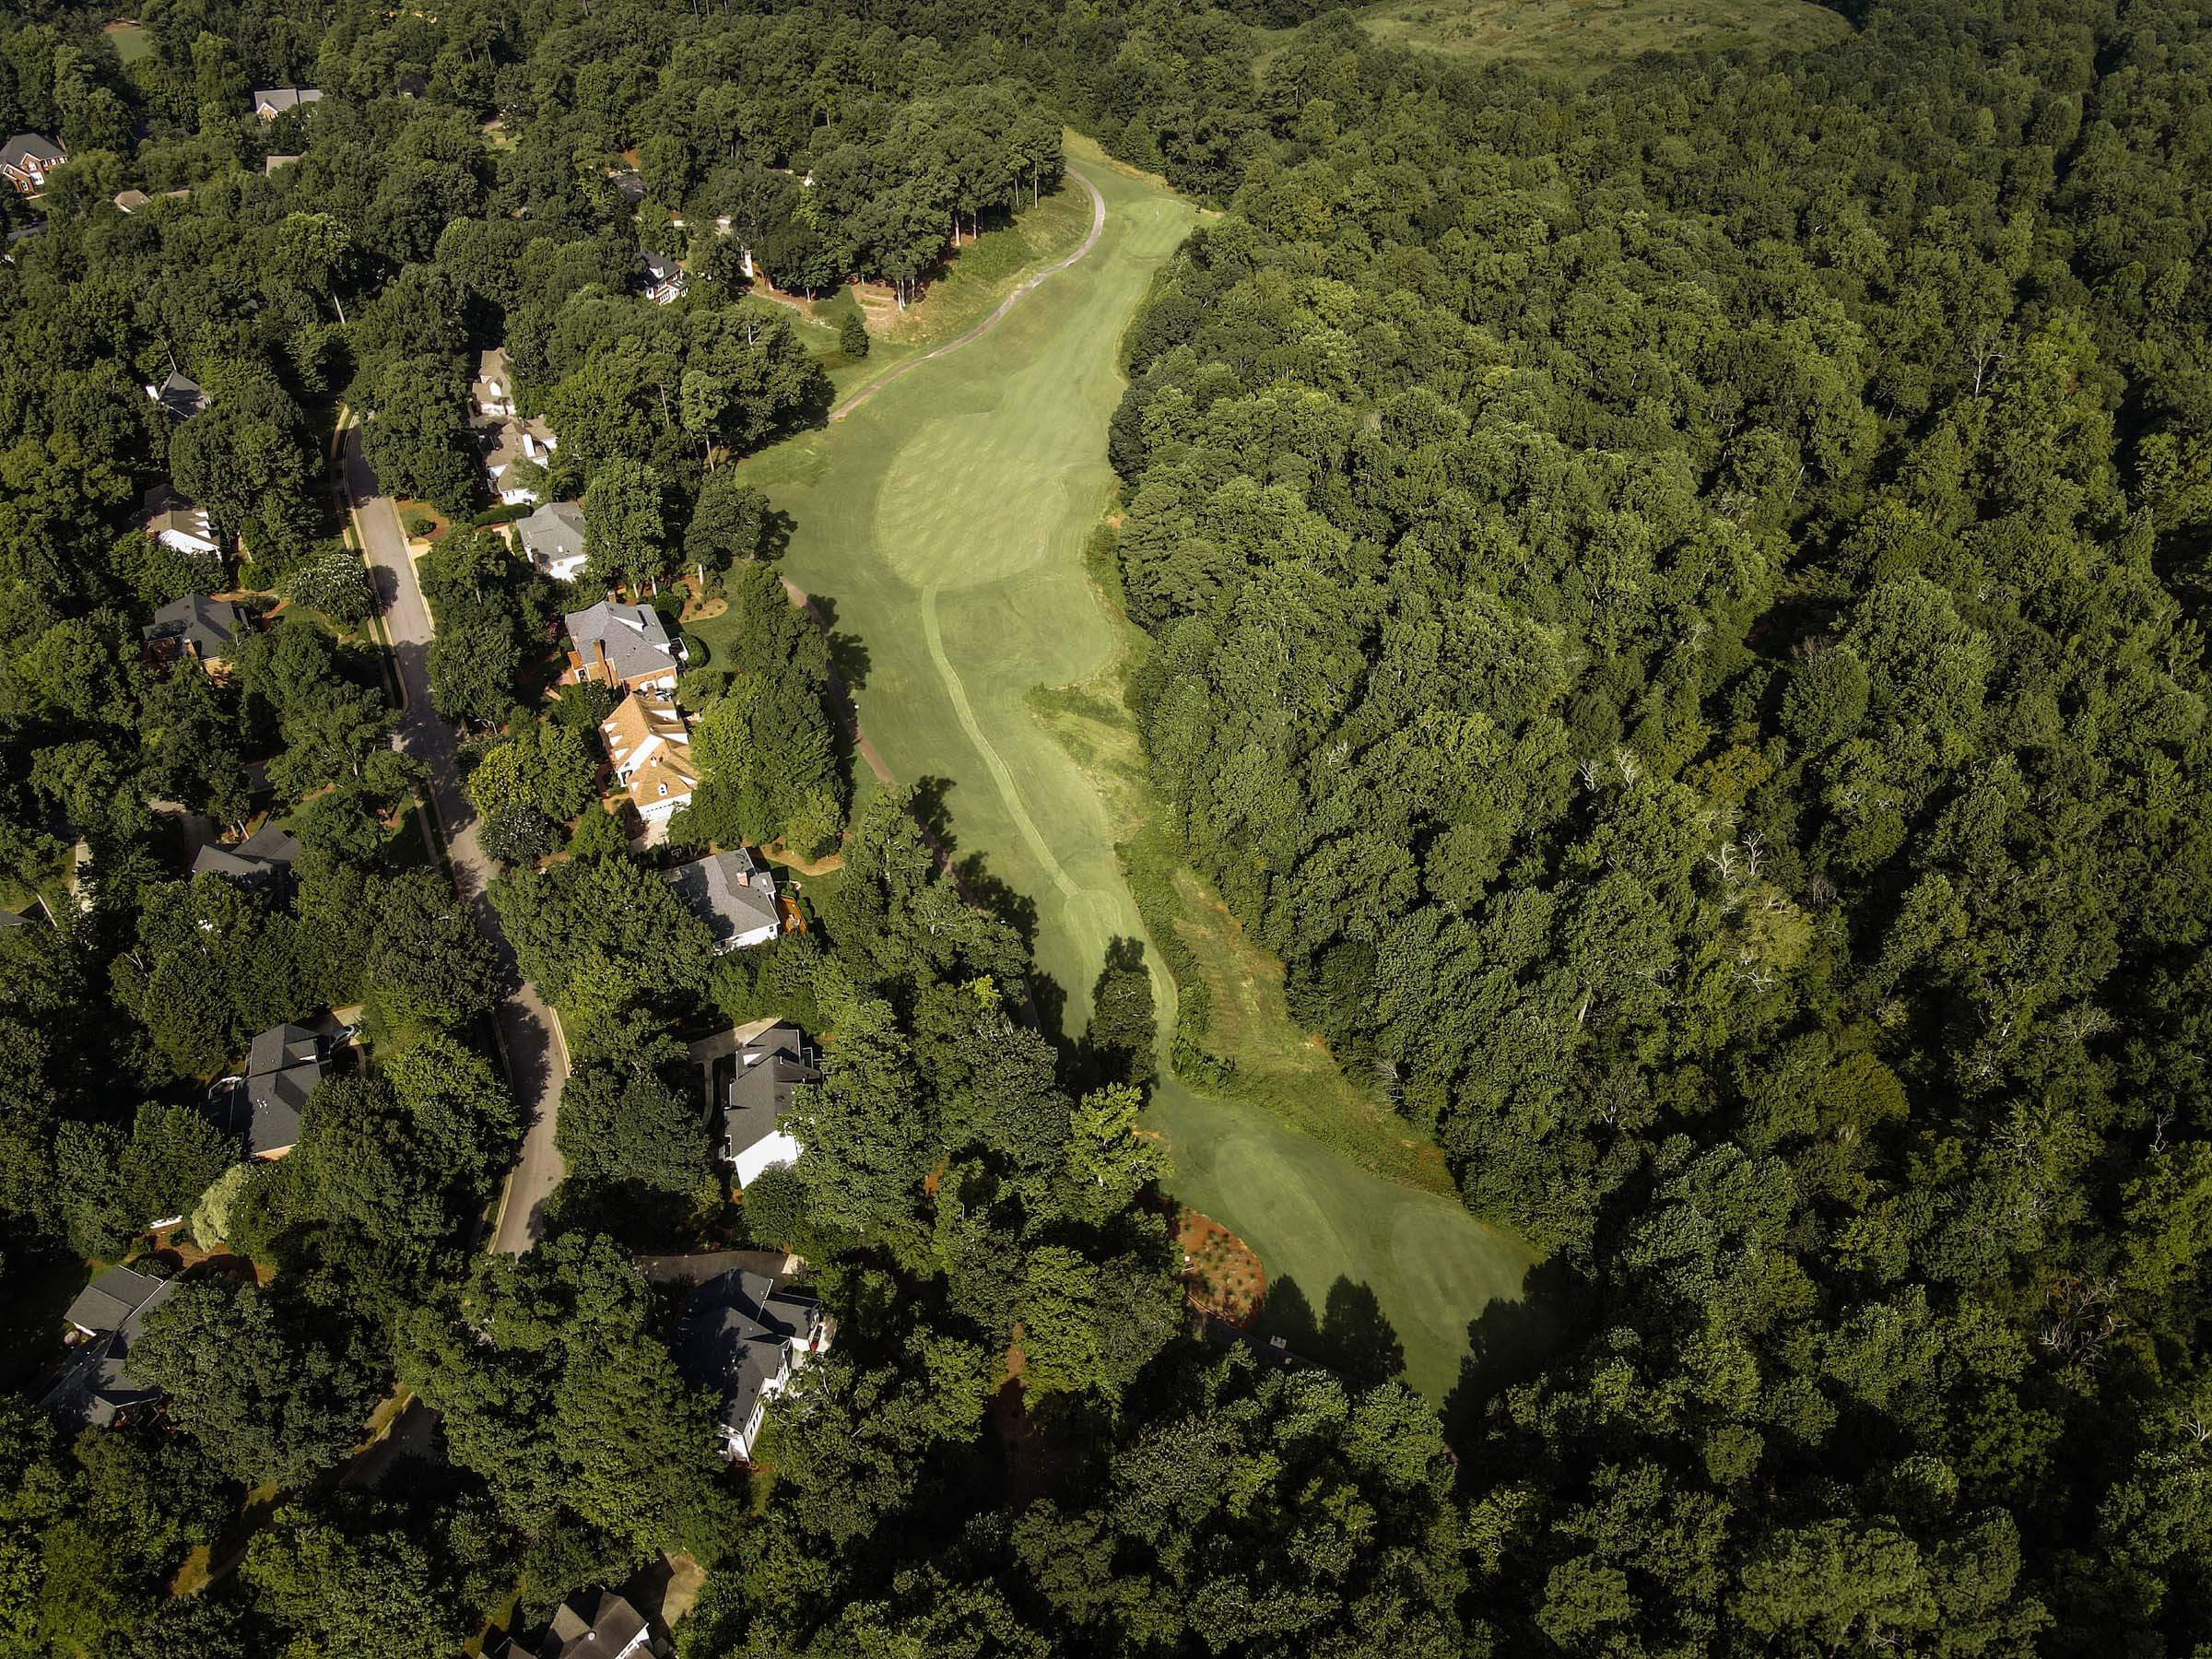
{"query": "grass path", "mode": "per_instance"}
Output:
(1098, 224)
(945, 518)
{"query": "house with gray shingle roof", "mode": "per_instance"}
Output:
(266, 855)
(179, 396)
(103, 1321)
(592, 1624)
(743, 1336)
(734, 894)
(622, 645)
(552, 539)
(282, 1069)
(195, 627)
(27, 157)
(272, 102)
(755, 1133)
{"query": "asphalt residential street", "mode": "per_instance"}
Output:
(537, 1057)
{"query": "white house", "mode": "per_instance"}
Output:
(552, 539)
(664, 279)
(734, 894)
(506, 440)
(745, 1335)
(180, 524)
(757, 1132)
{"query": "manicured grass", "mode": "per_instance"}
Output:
(973, 281)
(130, 39)
(1582, 39)
(1316, 1219)
(946, 520)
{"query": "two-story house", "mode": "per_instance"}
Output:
(664, 278)
(649, 744)
(552, 539)
(506, 441)
(28, 158)
(625, 646)
(744, 1337)
(756, 1131)
(734, 894)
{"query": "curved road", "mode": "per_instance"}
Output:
(529, 1035)
(1097, 225)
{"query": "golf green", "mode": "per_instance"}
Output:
(944, 521)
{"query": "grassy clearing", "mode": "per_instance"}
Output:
(945, 521)
(130, 41)
(1582, 39)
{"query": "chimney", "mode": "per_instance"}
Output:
(605, 668)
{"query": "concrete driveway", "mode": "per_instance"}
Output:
(537, 1061)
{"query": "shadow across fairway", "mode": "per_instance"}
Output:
(1510, 1342)
(1352, 1336)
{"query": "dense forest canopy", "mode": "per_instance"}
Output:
(1675, 607)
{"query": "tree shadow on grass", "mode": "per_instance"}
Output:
(1510, 1342)
(1352, 1336)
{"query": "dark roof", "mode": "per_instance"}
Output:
(111, 1298)
(268, 852)
(660, 267)
(769, 1068)
(411, 85)
(595, 1622)
(205, 627)
(91, 1388)
(629, 187)
(737, 1333)
(180, 395)
(732, 892)
(282, 1069)
(34, 146)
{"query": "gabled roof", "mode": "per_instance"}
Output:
(269, 850)
(93, 1388)
(636, 722)
(737, 1333)
(667, 776)
(501, 439)
(182, 518)
(554, 534)
(279, 99)
(635, 638)
(179, 396)
(33, 146)
(731, 892)
(113, 1298)
(660, 267)
(282, 1069)
(597, 1623)
(769, 1069)
(203, 625)
(130, 201)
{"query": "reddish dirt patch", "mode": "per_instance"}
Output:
(1221, 1275)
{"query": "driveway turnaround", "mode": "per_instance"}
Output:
(537, 1061)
